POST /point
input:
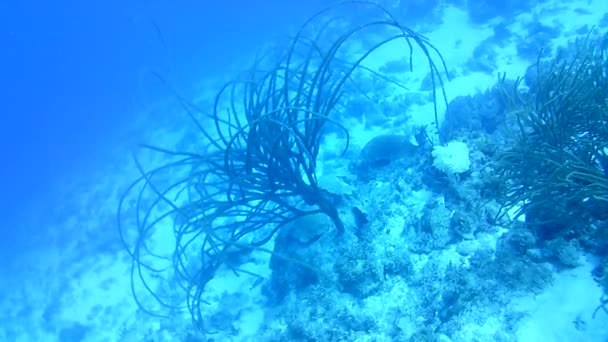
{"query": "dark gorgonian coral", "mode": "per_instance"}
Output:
(555, 164)
(255, 171)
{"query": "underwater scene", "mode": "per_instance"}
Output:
(373, 171)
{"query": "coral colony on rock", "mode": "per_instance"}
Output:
(394, 171)
(273, 227)
(254, 178)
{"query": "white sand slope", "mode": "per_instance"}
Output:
(563, 312)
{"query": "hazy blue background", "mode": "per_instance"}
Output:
(73, 78)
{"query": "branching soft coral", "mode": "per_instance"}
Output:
(555, 167)
(256, 170)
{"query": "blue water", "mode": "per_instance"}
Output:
(75, 74)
